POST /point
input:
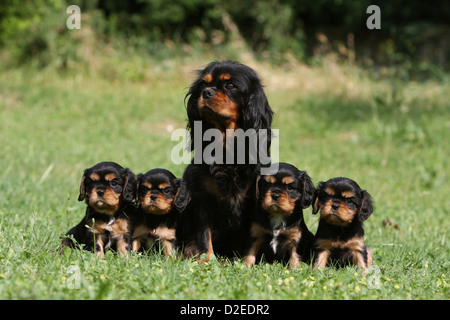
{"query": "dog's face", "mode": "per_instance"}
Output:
(280, 193)
(228, 95)
(106, 186)
(159, 191)
(341, 200)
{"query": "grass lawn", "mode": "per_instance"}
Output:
(389, 135)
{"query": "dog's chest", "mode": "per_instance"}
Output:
(114, 227)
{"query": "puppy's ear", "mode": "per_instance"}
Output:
(183, 196)
(257, 187)
(316, 207)
(129, 187)
(366, 208)
(82, 194)
(308, 190)
(139, 179)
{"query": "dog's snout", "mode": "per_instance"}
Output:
(153, 197)
(100, 193)
(335, 206)
(276, 196)
(208, 93)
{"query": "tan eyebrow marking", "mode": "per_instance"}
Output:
(208, 78)
(225, 76)
(287, 180)
(110, 176)
(270, 179)
(164, 185)
(348, 194)
(94, 176)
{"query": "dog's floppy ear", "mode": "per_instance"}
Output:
(257, 187)
(366, 208)
(82, 194)
(257, 114)
(139, 179)
(183, 196)
(308, 190)
(191, 109)
(129, 187)
(315, 207)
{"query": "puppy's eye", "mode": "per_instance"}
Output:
(289, 187)
(230, 86)
(113, 183)
(166, 190)
(348, 200)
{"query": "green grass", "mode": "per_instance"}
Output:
(390, 136)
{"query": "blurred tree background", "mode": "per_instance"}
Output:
(414, 34)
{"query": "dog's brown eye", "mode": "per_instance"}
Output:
(166, 190)
(113, 183)
(289, 187)
(348, 200)
(230, 86)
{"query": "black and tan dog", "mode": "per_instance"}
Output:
(226, 96)
(109, 191)
(339, 238)
(278, 230)
(161, 198)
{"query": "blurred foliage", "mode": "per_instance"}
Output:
(414, 34)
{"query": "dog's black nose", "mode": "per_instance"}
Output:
(100, 193)
(275, 196)
(153, 197)
(335, 206)
(208, 93)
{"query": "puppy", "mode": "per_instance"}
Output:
(226, 96)
(161, 198)
(278, 230)
(109, 191)
(339, 239)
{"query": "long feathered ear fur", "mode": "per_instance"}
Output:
(308, 190)
(366, 206)
(183, 197)
(257, 113)
(315, 207)
(82, 190)
(82, 194)
(130, 185)
(192, 111)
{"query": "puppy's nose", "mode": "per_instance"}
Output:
(275, 196)
(100, 193)
(208, 93)
(153, 197)
(335, 206)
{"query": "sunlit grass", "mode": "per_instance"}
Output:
(388, 135)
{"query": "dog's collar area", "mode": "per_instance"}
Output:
(113, 219)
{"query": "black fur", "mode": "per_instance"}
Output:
(223, 194)
(111, 224)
